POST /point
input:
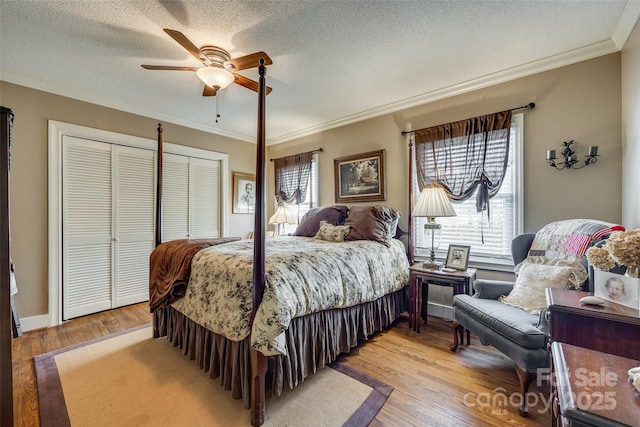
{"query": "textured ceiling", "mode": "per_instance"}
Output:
(334, 62)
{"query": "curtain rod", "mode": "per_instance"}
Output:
(312, 151)
(529, 106)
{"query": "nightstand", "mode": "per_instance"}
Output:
(460, 281)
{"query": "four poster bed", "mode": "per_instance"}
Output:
(289, 305)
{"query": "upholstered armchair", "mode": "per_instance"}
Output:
(505, 315)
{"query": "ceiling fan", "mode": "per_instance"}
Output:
(219, 68)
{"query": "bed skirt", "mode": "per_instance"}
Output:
(313, 341)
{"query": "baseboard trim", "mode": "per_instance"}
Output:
(440, 310)
(34, 322)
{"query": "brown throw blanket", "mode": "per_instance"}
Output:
(170, 267)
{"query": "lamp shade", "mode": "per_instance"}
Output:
(282, 216)
(214, 76)
(433, 202)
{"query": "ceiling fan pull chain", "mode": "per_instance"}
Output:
(217, 107)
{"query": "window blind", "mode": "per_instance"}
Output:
(468, 227)
(311, 200)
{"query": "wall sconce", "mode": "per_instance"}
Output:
(570, 158)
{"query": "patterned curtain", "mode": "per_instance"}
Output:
(465, 156)
(292, 178)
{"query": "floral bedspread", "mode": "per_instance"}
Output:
(303, 275)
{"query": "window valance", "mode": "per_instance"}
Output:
(292, 178)
(465, 156)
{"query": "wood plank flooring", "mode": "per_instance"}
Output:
(432, 385)
(33, 343)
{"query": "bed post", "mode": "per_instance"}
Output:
(410, 220)
(159, 188)
(258, 360)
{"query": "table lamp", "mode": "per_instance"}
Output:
(282, 216)
(433, 202)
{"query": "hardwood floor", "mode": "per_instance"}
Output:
(436, 387)
(33, 343)
(432, 385)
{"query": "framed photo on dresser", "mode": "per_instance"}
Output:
(617, 288)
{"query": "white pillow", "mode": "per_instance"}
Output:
(537, 273)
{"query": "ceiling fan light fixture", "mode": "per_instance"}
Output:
(214, 76)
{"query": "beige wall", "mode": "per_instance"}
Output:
(631, 130)
(580, 102)
(29, 228)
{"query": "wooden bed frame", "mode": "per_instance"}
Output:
(258, 360)
(211, 356)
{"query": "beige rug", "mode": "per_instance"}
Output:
(132, 379)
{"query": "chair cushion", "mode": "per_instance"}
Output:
(510, 322)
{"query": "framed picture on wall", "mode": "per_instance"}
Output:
(360, 178)
(244, 193)
(458, 257)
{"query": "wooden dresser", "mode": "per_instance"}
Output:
(592, 388)
(592, 348)
(611, 328)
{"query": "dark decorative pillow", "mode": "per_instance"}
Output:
(376, 223)
(310, 223)
(332, 233)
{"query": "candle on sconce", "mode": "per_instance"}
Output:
(551, 154)
(593, 150)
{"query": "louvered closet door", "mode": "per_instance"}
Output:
(134, 195)
(205, 195)
(191, 199)
(175, 198)
(87, 227)
(108, 225)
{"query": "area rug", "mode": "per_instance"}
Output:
(132, 379)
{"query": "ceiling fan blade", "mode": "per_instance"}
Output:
(209, 91)
(249, 61)
(248, 83)
(185, 43)
(168, 68)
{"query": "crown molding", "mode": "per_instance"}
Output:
(625, 26)
(37, 84)
(627, 22)
(567, 58)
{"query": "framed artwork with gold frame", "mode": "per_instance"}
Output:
(360, 177)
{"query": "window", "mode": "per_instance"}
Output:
(468, 227)
(311, 200)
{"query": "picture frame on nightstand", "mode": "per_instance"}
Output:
(458, 257)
